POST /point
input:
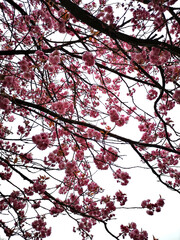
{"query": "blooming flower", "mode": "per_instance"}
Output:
(88, 58)
(176, 96)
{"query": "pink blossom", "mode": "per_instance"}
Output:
(158, 57)
(121, 197)
(27, 75)
(108, 9)
(93, 187)
(40, 226)
(71, 168)
(111, 155)
(8, 81)
(103, 2)
(62, 27)
(4, 103)
(59, 107)
(176, 96)
(88, 58)
(11, 118)
(124, 176)
(122, 120)
(114, 116)
(36, 205)
(152, 94)
(39, 186)
(41, 140)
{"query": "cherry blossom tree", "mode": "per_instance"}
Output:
(72, 74)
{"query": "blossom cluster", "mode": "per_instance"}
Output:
(54, 60)
(39, 186)
(7, 173)
(105, 157)
(133, 232)
(119, 120)
(152, 94)
(153, 207)
(88, 58)
(158, 57)
(120, 197)
(114, 116)
(63, 107)
(4, 104)
(57, 208)
(8, 81)
(41, 140)
(93, 187)
(26, 68)
(71, 168)
(107, 15)
(94, 134)
(176, 96)
(139, 57)
(57, 157)
(41, 230)
(16, 201)
(124, 176)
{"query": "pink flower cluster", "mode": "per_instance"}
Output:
(79, 155)
(16, 201)
(8, 81)
(174, 173)
(88, 58)
(176, 96)
(86, 224)
(133, 232)
(122, 120)
(124, 176)
(158, 57)
(153, 207)
(56, 209)
(94, 134)
(152, 94)
(3, 205)
(41, 140)
(172, 73)
(54, 58)
(63, 107)
(93, 187)
(4, 103)
(139, 58)
(61, 27)
(26, 69)
(71, 168)
(107, 15)
(106, 157)
(39, 186)
(120, 197)
(40, 226)
(41, 56)
(29, 191)
(59, 107)
(111, 155)
(6, 175)
(110, 207)
(26, 158)
(165, 107)
(149, 134)
(36, 204)
(114, 116)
